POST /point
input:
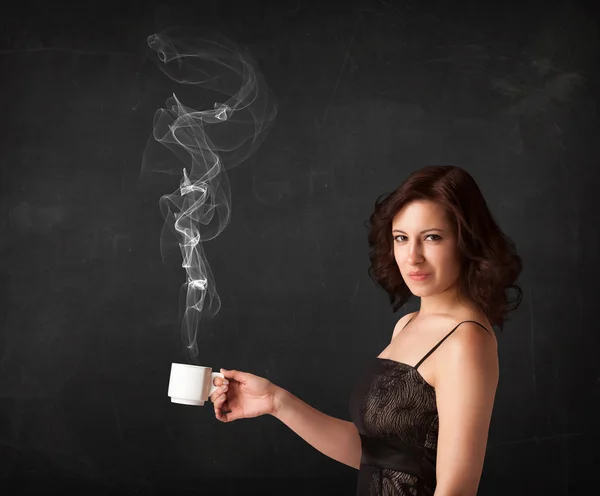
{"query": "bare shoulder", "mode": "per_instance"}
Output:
(402, 322)
(473, 334)
(471, 349)
(472, 338)
(476, 328)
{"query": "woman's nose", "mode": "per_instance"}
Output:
(414, 256)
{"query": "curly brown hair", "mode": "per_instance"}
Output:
(490, 263)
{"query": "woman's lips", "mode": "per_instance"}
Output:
(419, 278)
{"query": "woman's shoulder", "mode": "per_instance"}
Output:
(482, 330)
(477, 317)
(405, 319)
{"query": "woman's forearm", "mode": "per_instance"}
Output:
(336, 438)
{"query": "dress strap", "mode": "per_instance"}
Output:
(437, 345)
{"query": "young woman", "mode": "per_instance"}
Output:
(420, 419)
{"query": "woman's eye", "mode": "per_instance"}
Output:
(437, 238)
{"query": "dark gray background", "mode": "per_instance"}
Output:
(367, 93)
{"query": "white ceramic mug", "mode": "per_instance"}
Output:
(191, 384)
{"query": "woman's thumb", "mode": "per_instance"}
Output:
(232, 374)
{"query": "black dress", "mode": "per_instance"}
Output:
(395, 412)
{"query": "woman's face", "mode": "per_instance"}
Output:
(424, 241)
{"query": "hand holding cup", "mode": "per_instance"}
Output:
(242, 395)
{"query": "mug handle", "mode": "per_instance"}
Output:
(213, 388)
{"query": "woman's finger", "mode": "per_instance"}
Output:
(218, 392)
(220, 407)
(218, 381)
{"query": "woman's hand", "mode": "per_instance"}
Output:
(245, 396)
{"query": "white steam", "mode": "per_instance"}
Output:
(206, 142)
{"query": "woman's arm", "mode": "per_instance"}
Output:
(336, 438)
(466, 379)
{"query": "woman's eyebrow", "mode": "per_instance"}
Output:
(432, 229)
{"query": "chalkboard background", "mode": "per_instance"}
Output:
(367, 92)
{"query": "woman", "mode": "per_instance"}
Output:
(421, 410)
